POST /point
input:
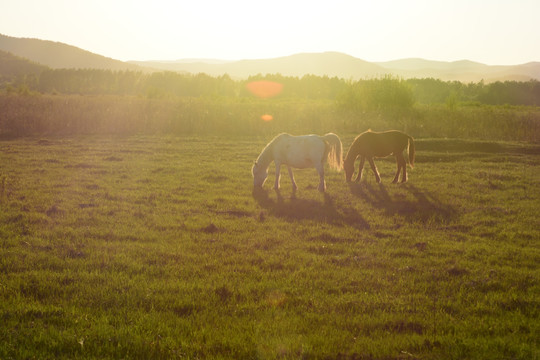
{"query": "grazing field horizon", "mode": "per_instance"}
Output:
(159, 247)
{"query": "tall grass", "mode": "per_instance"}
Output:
(23, 115)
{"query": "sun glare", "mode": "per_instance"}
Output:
(264, 89)
(267, 117)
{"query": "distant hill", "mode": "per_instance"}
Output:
(58, 55)
(333, 64)
(12, 66)
(348, 67)
(329, 63)
(464, 70)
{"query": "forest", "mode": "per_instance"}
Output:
(162, 84)
(91, 101)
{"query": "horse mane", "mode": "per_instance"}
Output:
(365, 132)
(265, 157)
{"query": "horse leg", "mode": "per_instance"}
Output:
(400, 161)
(375, 171)
(294, 187)
(396, 178)
(278, 174)
(360, 169)
(404, 166)
(320, 170)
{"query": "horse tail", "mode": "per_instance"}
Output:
(411, 151)
(334, 150)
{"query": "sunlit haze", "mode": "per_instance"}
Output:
(492, 32)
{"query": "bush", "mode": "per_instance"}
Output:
(388, 95)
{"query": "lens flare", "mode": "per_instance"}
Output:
(267, 117)
(264, 89)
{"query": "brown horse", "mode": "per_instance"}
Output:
(374, 144)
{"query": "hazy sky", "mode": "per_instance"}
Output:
(495, 32)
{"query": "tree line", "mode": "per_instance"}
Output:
(363, 94)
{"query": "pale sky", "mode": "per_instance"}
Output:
(496, 32)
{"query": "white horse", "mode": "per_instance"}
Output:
(299, 152)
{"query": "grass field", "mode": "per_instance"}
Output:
(157, 247)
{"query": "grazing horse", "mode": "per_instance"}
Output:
(373, 144)
(298, 152)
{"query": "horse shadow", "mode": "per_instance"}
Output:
(295, 209)
(423, 207)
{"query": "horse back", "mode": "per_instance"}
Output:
(381, 144)
(299, 151)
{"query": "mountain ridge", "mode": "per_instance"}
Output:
(348, 67)
(58, 55)
(332, 64)
(14, 66)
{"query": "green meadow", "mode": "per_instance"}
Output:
(157, 247)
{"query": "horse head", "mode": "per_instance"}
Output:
(348, 166)
(259, 174)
